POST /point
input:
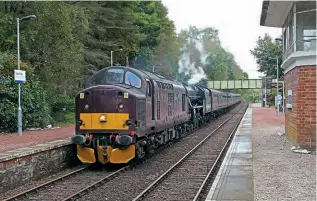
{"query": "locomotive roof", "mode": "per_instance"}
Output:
(158, 77)
(151, 75)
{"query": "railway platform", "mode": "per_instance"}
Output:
(234, 180)
(33, 155)
(261, 164)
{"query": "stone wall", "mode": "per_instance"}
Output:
(300, 120)
(18, 171)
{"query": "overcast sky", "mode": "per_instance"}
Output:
(238, 23)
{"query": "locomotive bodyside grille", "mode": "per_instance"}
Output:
(142, 112)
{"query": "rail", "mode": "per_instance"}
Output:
(183, 159)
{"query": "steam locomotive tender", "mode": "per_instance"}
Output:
(127, 113)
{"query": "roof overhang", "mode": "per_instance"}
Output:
(274, 13)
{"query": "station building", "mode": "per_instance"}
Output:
(298, 22)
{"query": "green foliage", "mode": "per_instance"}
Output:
(62, 103)
(266, 53)
(69, 118)
(204, 49)
(69, 41)
(252, 95)
(36, 112)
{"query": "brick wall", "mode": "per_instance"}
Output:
(300, 121)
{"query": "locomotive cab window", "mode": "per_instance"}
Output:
(111, 76)
(132, 79)
(148, 88)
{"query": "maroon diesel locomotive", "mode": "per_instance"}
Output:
(126, 113)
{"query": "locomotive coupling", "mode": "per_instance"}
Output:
(78, 139)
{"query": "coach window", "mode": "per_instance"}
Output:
(183, 102)
(132, 79)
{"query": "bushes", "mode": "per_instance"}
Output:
(35, 109)
(60, 106)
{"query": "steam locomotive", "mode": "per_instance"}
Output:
(126, 113)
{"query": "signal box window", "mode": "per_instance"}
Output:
(132, 79)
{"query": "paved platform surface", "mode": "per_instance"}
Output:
(234, 180)
(279, 173)
(26, 151)
(11, 141)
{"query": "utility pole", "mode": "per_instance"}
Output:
(111, 61)
(277, 97)
(265, 93)
(111, 56)
(30, 17)
(19, 101)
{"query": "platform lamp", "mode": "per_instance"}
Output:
(29, 17)
(111, 55)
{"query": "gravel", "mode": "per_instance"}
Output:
(34, 183)
(154, 166)
(279, 173)
(129, 184)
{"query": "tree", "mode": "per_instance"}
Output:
(202, 49)
(265, 53)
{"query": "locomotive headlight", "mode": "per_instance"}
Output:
(121, 106)
(102, 118)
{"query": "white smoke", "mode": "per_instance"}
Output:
(185, 66)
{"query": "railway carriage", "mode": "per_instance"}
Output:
(126, 113)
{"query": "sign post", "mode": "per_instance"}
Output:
(19, 77)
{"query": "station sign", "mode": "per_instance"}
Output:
(19, 76)
(279, 84)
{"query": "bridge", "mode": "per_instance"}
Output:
(243, 83)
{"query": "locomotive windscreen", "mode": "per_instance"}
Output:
(115, 76)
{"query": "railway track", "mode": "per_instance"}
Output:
(69, 185)
(187, 178)
(86, 184)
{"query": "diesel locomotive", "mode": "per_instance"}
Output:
(126, 113)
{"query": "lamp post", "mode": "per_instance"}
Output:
(277, 93)
(111, 55)
(29, 17)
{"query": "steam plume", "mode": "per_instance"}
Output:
(196, 72)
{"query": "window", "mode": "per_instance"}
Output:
(170, 98)
(169, 110)
(108, 76)
(305, 26)
(148, 88)
(132, 79)
(299, 29)
(183, 102)
(158, 110)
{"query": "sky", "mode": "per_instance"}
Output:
(238, 23)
